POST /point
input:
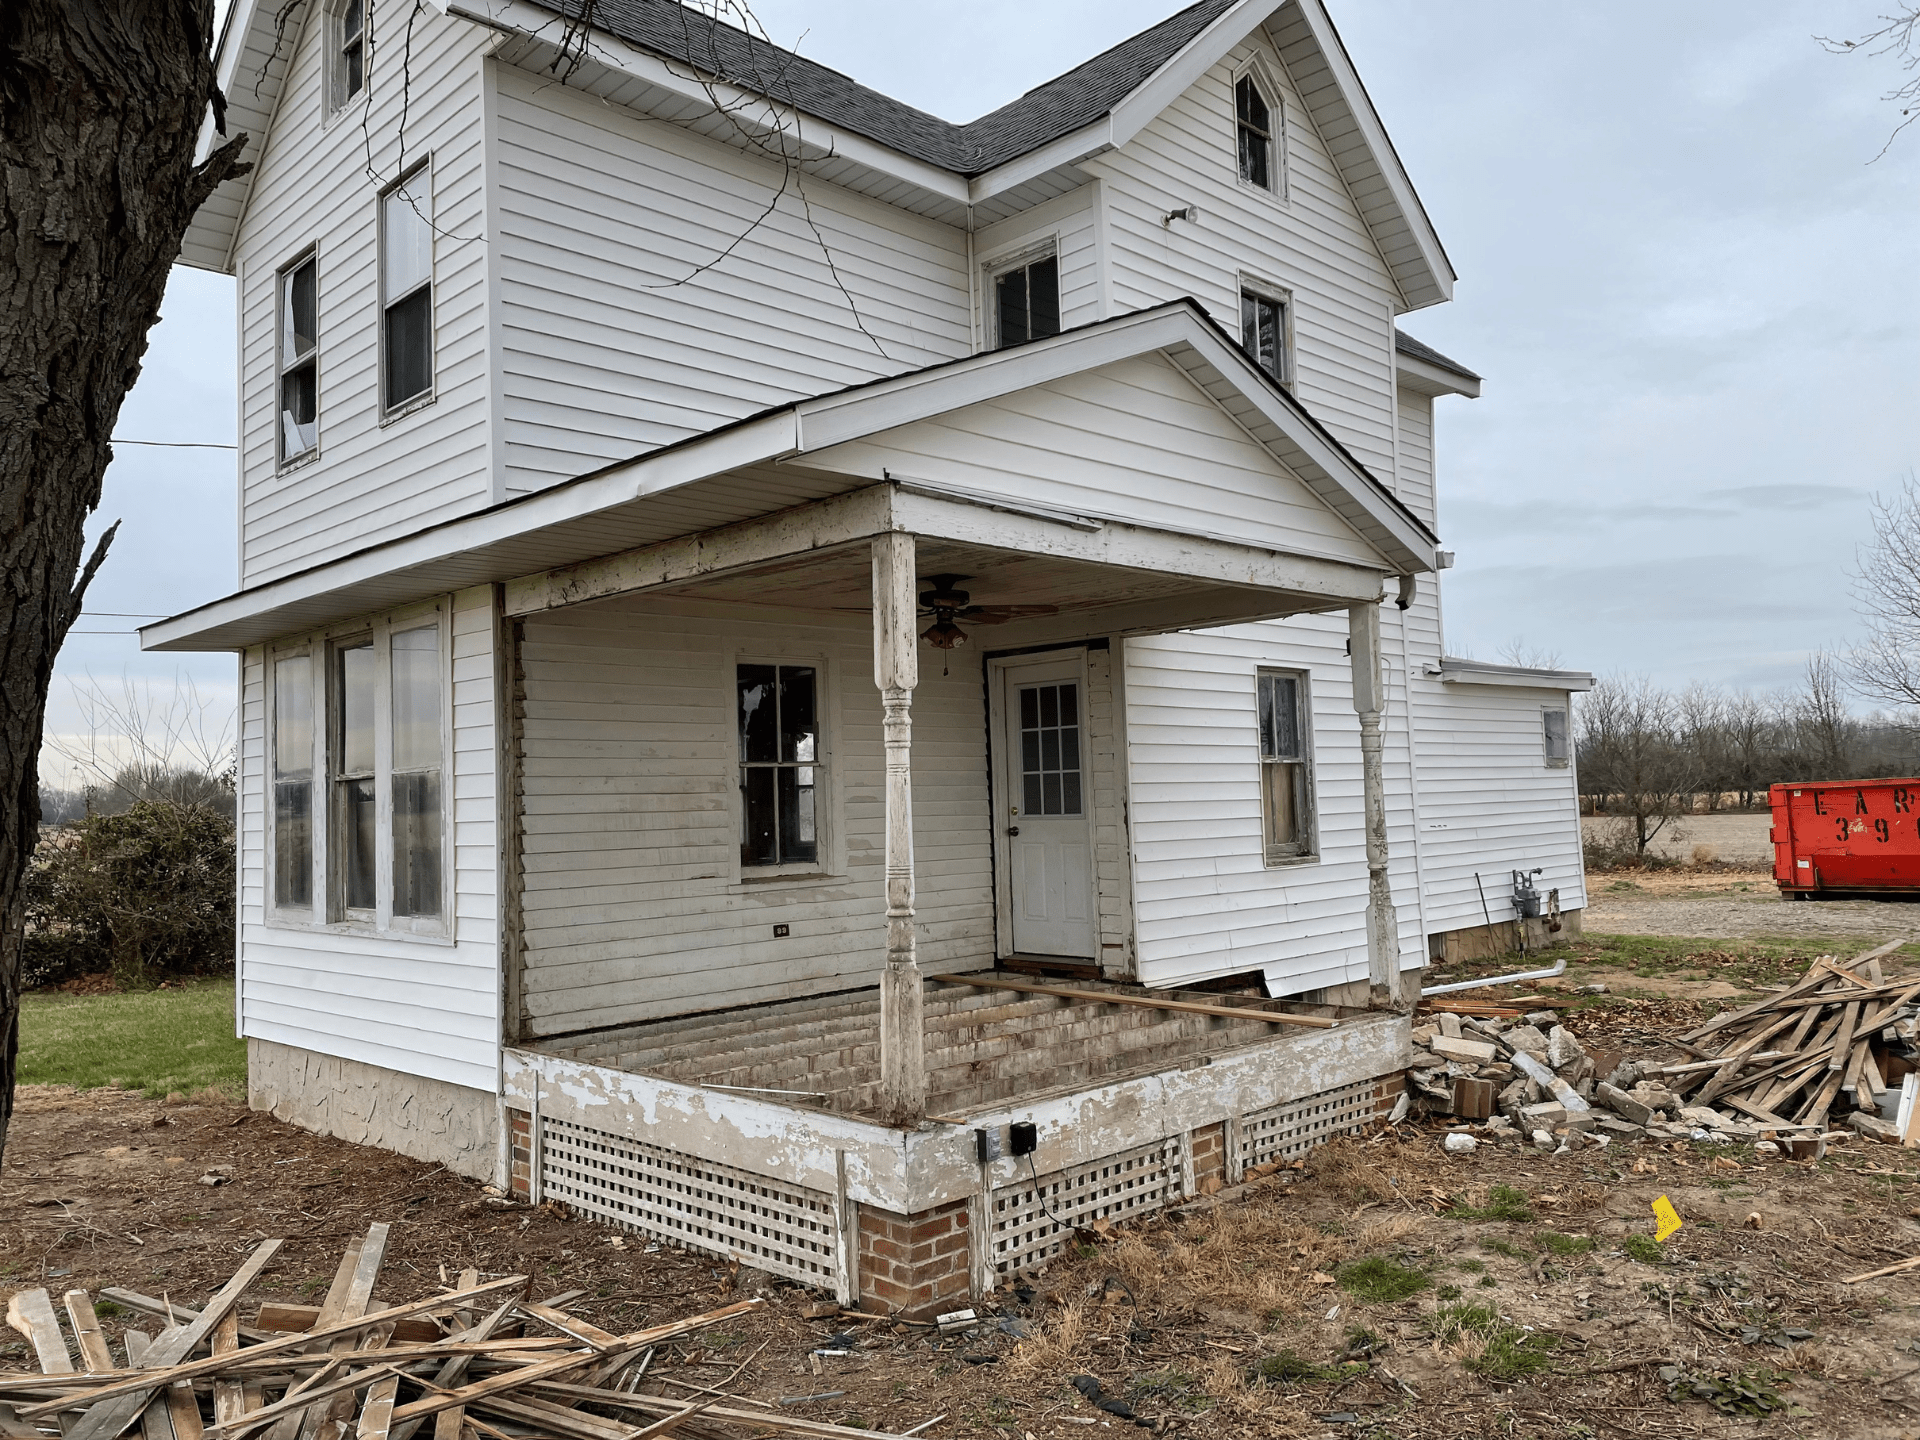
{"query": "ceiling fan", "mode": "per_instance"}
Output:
(946, 602)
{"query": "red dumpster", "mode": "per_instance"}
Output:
(1841, 838)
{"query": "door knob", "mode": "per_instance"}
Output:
(1013, 829)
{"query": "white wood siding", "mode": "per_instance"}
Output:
(1413, 481)
(630, 848)
(370, 481)
(1206, 904)
(1314, 244)
(1135, 440)
(605, 355)
(1489, 802)
(1070, 221)
(420, 1007)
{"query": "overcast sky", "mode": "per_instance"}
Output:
(1692, 297)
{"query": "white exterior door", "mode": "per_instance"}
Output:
(1045, 808)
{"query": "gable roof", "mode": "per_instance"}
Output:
(650, 498)
(1014, 156)
(1059, 107)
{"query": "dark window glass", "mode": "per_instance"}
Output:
(353, 48)
(293, 783)
(416, 843)
(1256, 134)
(1554, 734)
(1263, 333)
(1027, 302)
(779, 738)
(353, 774)
(299, 360)
(1283, 767)
(357, 835)
(1050, 749)
(410, 347)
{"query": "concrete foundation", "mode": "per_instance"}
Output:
(1488, 942)
(431, 1120)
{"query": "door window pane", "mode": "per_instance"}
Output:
(357, 829)
(354, 789)
(1050, 749)
(356, 708)
(416, 844)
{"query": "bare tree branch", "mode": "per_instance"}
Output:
(1897, 34)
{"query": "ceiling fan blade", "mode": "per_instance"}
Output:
(1001, 614)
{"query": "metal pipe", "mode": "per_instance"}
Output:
(1559, 969)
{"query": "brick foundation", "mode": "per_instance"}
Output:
(915, 1264)
(519, 1154)
(1210, 1157)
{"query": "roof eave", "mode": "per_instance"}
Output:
(1454, 670)
(1413, 373)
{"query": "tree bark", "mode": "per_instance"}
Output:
(101, 103)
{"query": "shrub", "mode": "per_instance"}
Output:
(145, 894)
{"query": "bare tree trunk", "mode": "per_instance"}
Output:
(101, 103)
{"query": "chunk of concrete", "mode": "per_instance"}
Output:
(1626, 1075)
(1873, 1127)
(1528, 1038)
(1544, 1116)
(1423, 1033)
(1545, 1019)
(1549, 1081)
(1623, 1104)
(1543, 1140)
(1562, 1048)
(1449, 1024)
(1703, 1116)
(1477, 1051)
(1623, 1129)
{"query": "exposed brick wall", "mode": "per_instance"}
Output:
(1387, 1091)
(914, 1264)
(1210, 1157)
(520, 1154)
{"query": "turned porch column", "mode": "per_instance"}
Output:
(1383, 940)
(896, 670)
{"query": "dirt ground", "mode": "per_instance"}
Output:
(1733, 904)
(1175, 1318)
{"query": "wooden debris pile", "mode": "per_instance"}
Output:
(478, 1361)
(1827, 1044)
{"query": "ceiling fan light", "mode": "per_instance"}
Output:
(943, 634)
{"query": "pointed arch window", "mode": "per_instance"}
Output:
(1258, 122)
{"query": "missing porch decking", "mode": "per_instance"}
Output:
(984, 1046)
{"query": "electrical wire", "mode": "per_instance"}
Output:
(177, 444)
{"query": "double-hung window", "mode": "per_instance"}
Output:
(1026, 301)
(347, 51)
(298, 361)
(357, 804)
(1553, 737)
(1264, 333)
(781, 780)
(1253, 116)
(1286, 765)
(406, 290)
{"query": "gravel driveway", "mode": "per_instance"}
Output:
(1741, 916)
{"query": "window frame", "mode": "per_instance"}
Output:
(1548, 759)
(420, 400)
(828, 861)
(272, 658)
(1025, 255)
(1255, 73)
(337, 100)
(1306, 848)
(308, 254)
(1254, 288)
(329, 913)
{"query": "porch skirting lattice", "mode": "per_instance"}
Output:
(1286, 1132)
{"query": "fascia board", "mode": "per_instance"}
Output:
(755, 442)
(613, 53)
(1455, 672)
(1173, 79)
(1430, 379)
(1374, 131)
(1061, 154)
(211, 233)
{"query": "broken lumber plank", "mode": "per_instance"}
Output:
(568, 1325)
(172, 1311)
(1814, 977)
(1843, 1037)
(299, 1401)
(31, 1313)
(1758, 1112)
(1911, 1262)
(760, 1420)
(481, 1389)
(1816, 1111)
(105, 1421)
(455, 1370)
(373, 1249)
(94, 1353)
(1102, 997)
(285, 1345)
(276, 1319)
(1695, 1066)
(1844, 973)
(1880, 1018)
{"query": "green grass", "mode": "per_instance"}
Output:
(1643, 1248)
(1762, 960)
(1553, 1242)
(1504, 1202)
(1380, 1281)
(1510, 1353)
(155, 1041)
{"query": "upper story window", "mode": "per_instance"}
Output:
(299, 358)
(406, 290)
(1266, 332)
(1286, 766)
(358, 806)
(1026, 301)
(347, 52)
(1553, 737)
(778, 715)
(1258, 134)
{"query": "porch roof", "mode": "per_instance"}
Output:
(760, 466)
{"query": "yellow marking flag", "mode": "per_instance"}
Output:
(1666, 1218)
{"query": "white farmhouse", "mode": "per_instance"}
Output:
(829, 685)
